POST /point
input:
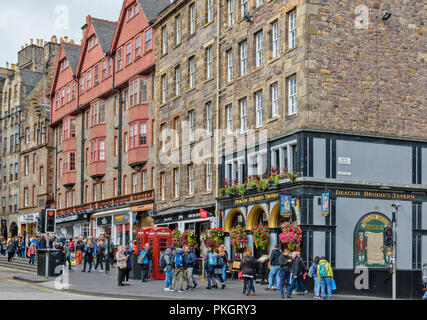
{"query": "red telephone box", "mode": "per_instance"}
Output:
(159, 240)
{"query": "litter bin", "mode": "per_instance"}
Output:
(135, 273)
(56, 258)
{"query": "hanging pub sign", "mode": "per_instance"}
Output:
(203, 214)
(369, 248)
(285, 205)
(325, 204)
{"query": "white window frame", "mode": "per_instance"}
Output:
(275, 39)
(192, 70)
(243, 105)
(177, 73)
(209, 60)
(209, 10)
(209, 120)
(164, 40)
(191, 118)
(229, 114)
(230, 12)
(177, 29)
(292, 95)
(208, 173)
(229, 65)
(243, 8)
(274, 92)
(164, 89)
(292, 31)
(192, 18)
(176, 182)
(259, 49)
(283, 148)
(190, 179)
(144, 180)
(243, 58)
(259, 108)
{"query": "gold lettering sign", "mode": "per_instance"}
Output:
(373, 194)
(257, 198)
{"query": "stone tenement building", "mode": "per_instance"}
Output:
(334, 91)
(186, 114)
(103, 115)
(28, 77)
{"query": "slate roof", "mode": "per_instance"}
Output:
(73, 54)
(30, 79)
(105, 32)
(152, 8)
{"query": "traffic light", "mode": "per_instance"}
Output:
(388, 236)
(50, 220)
(41, 225)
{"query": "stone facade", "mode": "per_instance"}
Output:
(27, 82)
(178, 105)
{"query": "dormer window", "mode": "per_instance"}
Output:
(92, 42)
(63, 64)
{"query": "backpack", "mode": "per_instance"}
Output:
(72, 246)
(322, 270)
(212, 260)
(220, 262)
(179, 260)
(89, 250)
(312, 270)
(163, 261)
(141, 258)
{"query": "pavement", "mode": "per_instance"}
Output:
(103, 285)
(13, 289)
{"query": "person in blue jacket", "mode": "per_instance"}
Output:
(144, 263)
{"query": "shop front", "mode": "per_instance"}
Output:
(73, 224)
(188, 219)
(115, 224)
(27, 224)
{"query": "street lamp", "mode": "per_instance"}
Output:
(396, 207)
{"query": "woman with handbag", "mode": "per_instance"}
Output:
(220, 263)
(121, 264)
(248, 273)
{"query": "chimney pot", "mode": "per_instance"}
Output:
(54, 39)
(31, 41)
(7, 65)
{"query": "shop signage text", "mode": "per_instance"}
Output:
(257, 198)
(375, 195)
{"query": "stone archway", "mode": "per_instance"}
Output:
(232, 214)
(254, 216)
(274, 216)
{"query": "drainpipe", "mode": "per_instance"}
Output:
(217, 136)
(119, 137)
(82, 144)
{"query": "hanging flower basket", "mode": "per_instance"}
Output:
(176, 238)
(291, 235)
(188, 238)
(213, 238)
(238, 239)
(261, 237)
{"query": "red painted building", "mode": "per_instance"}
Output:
(103, 115)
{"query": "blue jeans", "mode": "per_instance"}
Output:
(248, 285)
(297, 283)
(316, 286)
(274, 276)
(425, 295)
(168, 279)
(69, 262)
(150, 264)
(224, 273)
(99, 261)
(90, 266)
(326, 282)
(284, 279)
(32, 257)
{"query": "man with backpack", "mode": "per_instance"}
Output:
(143, 262)
(179, 268)
(166, 265)
(190, 259)
(298, 269)
(325, 275)
(274, 276)
(210, 265)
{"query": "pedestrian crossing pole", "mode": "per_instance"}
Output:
(394, 226)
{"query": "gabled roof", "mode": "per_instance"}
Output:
(30, 79)
(152, 8)
(105, 32)
(72, 51)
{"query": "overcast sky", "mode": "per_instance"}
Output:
(22, 20)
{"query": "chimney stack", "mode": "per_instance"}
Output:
(13, 66)
(66, 39)
(31, 41)
(7, 65)
(54, 39)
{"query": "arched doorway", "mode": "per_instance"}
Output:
(13, 229)
(235, 217)
(4, 230)
(257, 216)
